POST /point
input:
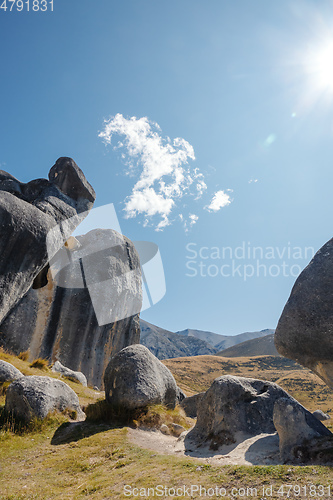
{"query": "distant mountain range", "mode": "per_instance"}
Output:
(165, 344)
(221, 342)
(262, 346)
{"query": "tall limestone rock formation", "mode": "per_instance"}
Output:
(87, 311)
(36, 218)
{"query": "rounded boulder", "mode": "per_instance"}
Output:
(135, 378)
(36, 396)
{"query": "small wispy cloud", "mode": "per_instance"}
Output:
(253, 180)
(220, 200)
(161, 166)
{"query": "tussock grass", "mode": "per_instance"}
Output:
(41, 364)
(10, 424)
(150, 417)
(3, 388)
(24, 355)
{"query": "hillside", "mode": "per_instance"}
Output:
(165, 344)
(221, 342)
(262, 346)
(196, 375)
(96, 460)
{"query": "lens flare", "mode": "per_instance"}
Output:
(322, 67)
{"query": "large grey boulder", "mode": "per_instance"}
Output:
(298, 430)
(33, 396)
(8, 372)
(305, 329)
(35, 220)
(234, 407)
(135, 378)
(88, 311)
(190, 404)
(70, 374)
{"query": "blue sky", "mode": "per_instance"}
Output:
(246, 87)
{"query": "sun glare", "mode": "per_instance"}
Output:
(319, 66)
(323, 68)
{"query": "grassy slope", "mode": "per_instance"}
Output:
(98, 465)
(196, 375)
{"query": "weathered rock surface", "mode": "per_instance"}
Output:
(135, 378)
(305, 329)
(180, 395)
(35, 396)
(35, 220)
(190, 404)
(87, 312)
(165, 430)
(320, 415)
(235, 406)
(298, 430)
(8, 372)
(176, 429)
(70, 374)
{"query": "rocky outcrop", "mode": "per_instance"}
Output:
(235, 406)
(305, 329)
(190, 404)
(135, 378)
(298, 430)
(30, 397)
(70, 374)
(88, 311)
(320, 415)
(8, 372)
(35, 220)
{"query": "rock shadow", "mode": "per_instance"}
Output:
(204, 449)
(70, 432)
(264, 451)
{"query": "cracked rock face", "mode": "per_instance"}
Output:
(305, 329)
(88, 309)
(35, 220)
(233, 406)
(299, 431)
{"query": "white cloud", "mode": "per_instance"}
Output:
(253, 180)
(162, 165)
(162, 171)
(220, 199)
(192, 219)
(201, 187)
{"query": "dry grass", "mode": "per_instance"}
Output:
(151, 417)
(96, 459)
(40, 364)
(196, 375)
(24, 355)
